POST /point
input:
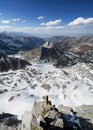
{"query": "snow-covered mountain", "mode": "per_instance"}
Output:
(72, 86)
(63, 70)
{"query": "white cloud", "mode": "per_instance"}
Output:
(15, 20)
(5, 21)
(40, 17)
(52, 23)
(81, 21)
(10, 21)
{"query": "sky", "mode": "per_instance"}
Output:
(47, 17)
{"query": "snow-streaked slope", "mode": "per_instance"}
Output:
(69, 86)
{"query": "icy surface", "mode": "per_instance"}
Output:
(72, 86)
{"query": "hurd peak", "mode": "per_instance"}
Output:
(48, 44)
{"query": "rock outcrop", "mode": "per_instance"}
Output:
(9, 122)
(46, 116)
(12, 63)
(85, 115)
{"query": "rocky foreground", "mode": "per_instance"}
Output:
(45, 116)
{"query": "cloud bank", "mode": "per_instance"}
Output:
(5, 21)
(81, 21)
(77, 27)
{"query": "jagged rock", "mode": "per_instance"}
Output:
(53, 120)
(9, 122)
(13, 63)
(48, 44)
(30, 122)
(52, 115)
(45, 116)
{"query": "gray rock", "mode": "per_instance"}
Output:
(30, 122)
(59, 123)
(85, 115)
(64, 109)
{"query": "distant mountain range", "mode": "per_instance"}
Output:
(15, 44)
(59, 50)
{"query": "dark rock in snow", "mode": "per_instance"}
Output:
(9, 122)
(12, 63)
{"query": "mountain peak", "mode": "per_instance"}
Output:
(48, 44)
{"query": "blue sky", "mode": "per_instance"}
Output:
(47, 17)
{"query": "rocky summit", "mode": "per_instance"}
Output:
(48, 117)
(45, 116)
